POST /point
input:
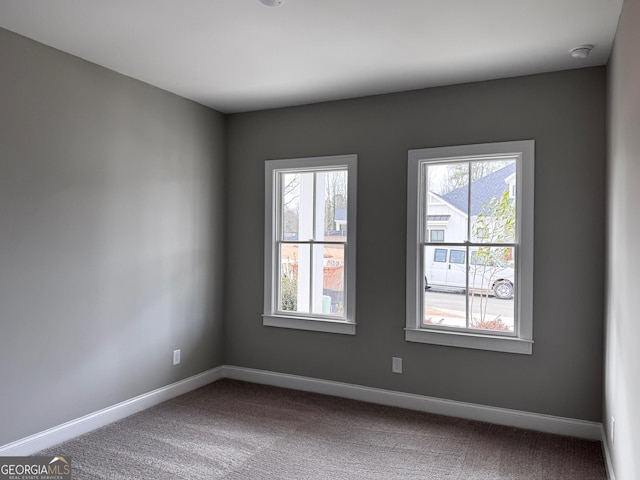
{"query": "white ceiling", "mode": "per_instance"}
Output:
(240, 55)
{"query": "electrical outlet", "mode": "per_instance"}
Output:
(396, 364)
(176, 357)
(613, 429)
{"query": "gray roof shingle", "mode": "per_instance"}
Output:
(482, 191)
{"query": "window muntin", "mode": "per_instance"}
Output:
(484, 289)
(310, 243)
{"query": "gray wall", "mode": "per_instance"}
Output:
(563, 112)
(112, 203)
(114, 196)
(622, 362)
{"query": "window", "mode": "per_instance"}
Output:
(475, 289)
(310, 243)
(440, 255)
(457, 256)
(436, 235)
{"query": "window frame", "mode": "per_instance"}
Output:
(272, 316)
(521, 341)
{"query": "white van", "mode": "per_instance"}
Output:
(445, 267)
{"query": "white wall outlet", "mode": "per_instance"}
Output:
(176, 357)
(396, 364)
(613, 429)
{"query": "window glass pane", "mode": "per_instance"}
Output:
(445, 308)
(447, 200)
(442, 274)
(331, 205)
(456, 256)
(294, 278)
(493, 208)
(290, 205)
(491, 289)
(328, 280)
(436, 235)
(444, 298)
(296, 200)
(312, 279)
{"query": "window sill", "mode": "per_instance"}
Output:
(312, 324)
(470, 340)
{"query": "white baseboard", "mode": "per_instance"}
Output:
(608, 462)
(471, 411)
(79, 426)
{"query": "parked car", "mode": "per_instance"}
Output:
(446, 267)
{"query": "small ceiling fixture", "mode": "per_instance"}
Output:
(581, 51)
(272, 3)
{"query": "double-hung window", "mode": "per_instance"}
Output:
(310, 238)
(473, 288)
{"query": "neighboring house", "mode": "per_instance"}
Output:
(340, 219)
(446, 214)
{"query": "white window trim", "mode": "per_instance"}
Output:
(311, 322)
(522, 342)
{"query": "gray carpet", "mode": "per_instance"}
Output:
(234, 430)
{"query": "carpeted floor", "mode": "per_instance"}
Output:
(234, 430)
